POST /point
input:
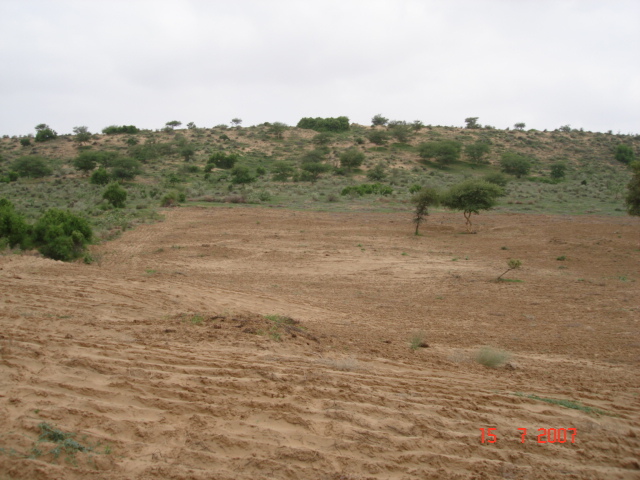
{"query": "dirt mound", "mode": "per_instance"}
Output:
(253, 343)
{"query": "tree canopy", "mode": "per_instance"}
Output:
(471, 197)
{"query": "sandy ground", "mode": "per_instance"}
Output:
(159, 359)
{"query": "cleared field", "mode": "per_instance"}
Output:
(265, 343)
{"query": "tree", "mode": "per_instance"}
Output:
(236, 122)
(33, 166)
(330, 124)
(496, 178)
(125, 168)
(519, 126)
(13, 227)
(191, 126)
(558, 170)
(400, 131)
(116, 129)
(477, 151)
(44, 133)
(323, 139)
(313, 170)
(115, 195)
(25, 142)
(625, 154)
(351, 158)
(417, 125)
(379, 121)
(277, 129)
(100, 177)
(472, 122)
(377, 173)
(443, 151)
(241, 175)
(515, 164)
(281, 171)
(61, 235)
(379, 137)
(173, 124)
(83, 134)
(222, 160)
(632, 200)
(425, 198)
(471, 197)
(85, 161)
(187, 152)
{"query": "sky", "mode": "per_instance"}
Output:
(95, 63)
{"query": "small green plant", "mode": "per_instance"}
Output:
(491, 357)
(197, 319)
(513, 264)
(561, 258)
(65, 442)
(417, 340)
(565, 403)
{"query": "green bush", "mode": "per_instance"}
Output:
(625, 154)
(100, 177)
(125, 168)
(222, 160)
(377, 173)
(367, 189)
(496, 178)
(338, 124)
(442, 151)
(45, 134)
(115, 195)
(351, 158)
(13, 227)
(25, 142)
(515, 164)
(379, 137)
(558, 170)
(61, 235)
(33, 166)
(115, 129)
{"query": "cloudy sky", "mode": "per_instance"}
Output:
(146, 62)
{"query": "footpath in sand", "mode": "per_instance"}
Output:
(252, 343)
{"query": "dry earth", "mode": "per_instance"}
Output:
(159, 359)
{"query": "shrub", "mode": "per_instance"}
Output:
(115, 129)
(100, 177)
(367, 189)
(32, 166)
(515, 164)
(115, 195)
(282, 171)
(491, 358)
(379, 137)
(632, 199)
(379, 121)
(125, 168)
(241, 175)
(377, 173)
(496, 178)
(558, 170)
(477, 151)
(221, 160)
(13, 227)
(150, 151)
(44, 133)
(415, 188)
(625, 154)
(25, 142)
(170, 199)
(338, 124)
(61, 235)
(86, 161)
(351, 158)
(442, 151)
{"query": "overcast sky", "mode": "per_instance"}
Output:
(104, 62)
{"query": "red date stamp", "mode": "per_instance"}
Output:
(544, 435)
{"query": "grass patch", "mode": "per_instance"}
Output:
(491, 357)
(565, 403)
(417, 340)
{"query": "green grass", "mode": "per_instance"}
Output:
(566, 403)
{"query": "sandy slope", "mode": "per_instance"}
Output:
(158, 356)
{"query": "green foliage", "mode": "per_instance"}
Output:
(187, 152)
(471, 197)
(115, 195)
(632, 199)
(61, 235)
(625, 154)
(379, 121)
(45, 133)
(379, 137)
(472, 122)
(277, 129)
(100, 177)
(558, 170)
(222, 160)
(116, 129)
(417, 125)
(351, 158)
(173, 124)
(150, 151)
(519, 126)
(512, 264)
(172, 198)
(377, 173)
(425, 198)
(415, 188)
(282, 171)
(82, 133)
(323, 139)
(515, 164)
(25, 142)
(477, 151)
(241, 175)
(496, 178)
(442, 151)
(417, 341)
(125, 168)
(86, 160)
(491, 358)
(367, 189)
(400, 130)
(313, 165)
(13, 227)
(236, 122)
(338, 124)
(33, 166)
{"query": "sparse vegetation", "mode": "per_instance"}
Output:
(512, 264)
(491, 357)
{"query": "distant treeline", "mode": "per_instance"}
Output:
(337, 124)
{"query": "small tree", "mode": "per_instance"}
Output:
(125, 168)
(115, 195)
(625, 154)
(44, 133)
(379, 121)
(351, 158)
(13, 227)
(471, 197)
(187, 152)
(222, 160)
(32, 166)
(241, 175)
(25, 141)
(379, 137)
(443, 151)
(377, 173)
(400, 131)
(191, 126)
(417, 125)
(513, 264)
(519, 126)
(85, 162)
(558, 170)
(236, 122)
(515, 164)
(632, 200)
(472, 122)
(173, 124)
(83, 134)
(61, 235)
(425, 198)
(477, 151)
(277, 129)
(100, 177)
(282, 171)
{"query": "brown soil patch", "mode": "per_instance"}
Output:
(246, 343)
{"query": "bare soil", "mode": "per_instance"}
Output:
(159, 357)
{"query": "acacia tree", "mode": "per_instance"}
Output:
(476, 151)
(83, 134)
(472, 196)
(472, 122)
(443, 151)
(519, 126)
(515, 164)
(425, 198)
(379, 121)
